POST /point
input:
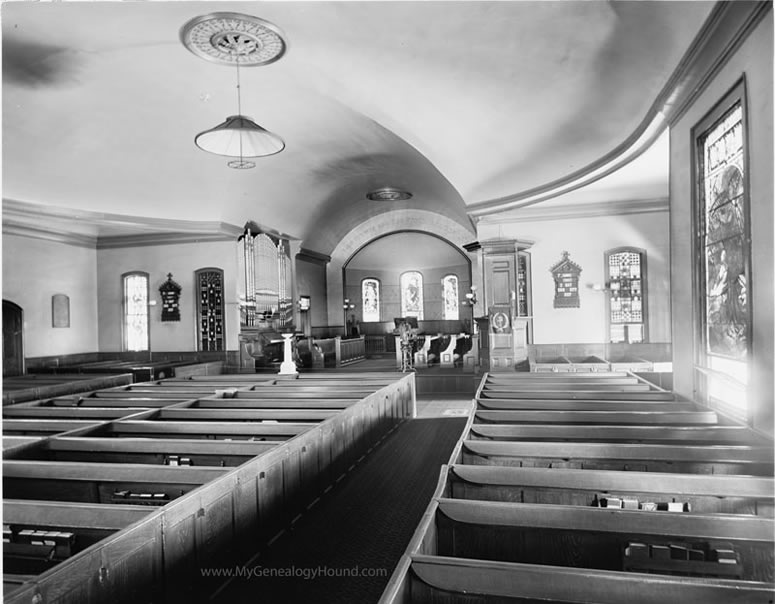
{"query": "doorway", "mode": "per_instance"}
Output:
(13, 339)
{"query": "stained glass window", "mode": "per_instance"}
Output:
(370, 300)
(210, 328)
(627, 321)
(723, 233)
(411, 295)
(135, 311)
(523, 285)
(722, 246)
(449, 290)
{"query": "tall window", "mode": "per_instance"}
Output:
(209, 307)
(370, 300)
(135, 324)
(722, 248)
(626, 278)
(449, 293)
(411, 295)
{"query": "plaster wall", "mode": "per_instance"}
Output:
(158, 260)
(587, 239)
(36, 269)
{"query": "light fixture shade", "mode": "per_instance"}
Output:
(239, 136)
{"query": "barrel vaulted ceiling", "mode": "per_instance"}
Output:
(474, 107)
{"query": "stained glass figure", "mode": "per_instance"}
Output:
(370, 300)
(411, 295)
(723, 239)
(449, 286)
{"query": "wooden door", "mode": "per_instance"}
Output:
(13, 343)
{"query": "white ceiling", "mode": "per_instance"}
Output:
(469, 105)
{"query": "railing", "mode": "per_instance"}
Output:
(349, 351)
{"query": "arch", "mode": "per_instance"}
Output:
(421, 221)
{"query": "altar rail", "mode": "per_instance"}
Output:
(336, 352)
(161, 557)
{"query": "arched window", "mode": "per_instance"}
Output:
(411, 295)
(449, 294)
(723, 256)
(626, 278)
(135, 309)
(370, 300)
(209, 309)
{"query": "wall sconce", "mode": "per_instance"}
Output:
(598, 287)
(471, 297)
(304, 303)
(347, 305)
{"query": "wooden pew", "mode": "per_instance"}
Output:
(101, 482)
(92, 400)
(245, 415)
(586, 537)
(249, 400)
(211, 430)
(551, 416)
(619, 456)
(42, 427)
(718, 494)
(695, 434)
(172, 451)
(72, 413)
(584, 405)
(62, 529)
(571, 394)
(447, 580)
(421, 357)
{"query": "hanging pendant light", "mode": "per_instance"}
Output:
(239, 136)
(236, 39)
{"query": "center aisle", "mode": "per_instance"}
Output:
(360, 527)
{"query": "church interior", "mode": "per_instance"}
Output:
(388, 302)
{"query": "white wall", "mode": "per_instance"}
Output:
(754, 60)
(587, 239)
(33, 271)
(157, 260)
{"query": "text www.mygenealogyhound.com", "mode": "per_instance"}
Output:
(291, 572)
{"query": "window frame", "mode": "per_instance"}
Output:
(199, 334)
(643, 291)
(379, 301)
(444, 280)
(421, 316)
(703, 374)
(124, 311)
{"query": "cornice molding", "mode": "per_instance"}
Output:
(24, 230)
(587, 210)
(145, 240)
(312, 256)
(25, 219)
(723, 31)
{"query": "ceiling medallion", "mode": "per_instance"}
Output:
(233, 38)
(389, 194)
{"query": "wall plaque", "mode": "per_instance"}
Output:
(60, 310)
(170, 300)
(566, 282)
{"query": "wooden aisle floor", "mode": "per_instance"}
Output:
(354, 536)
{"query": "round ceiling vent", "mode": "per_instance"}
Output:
(389, 194)
(233, 38)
